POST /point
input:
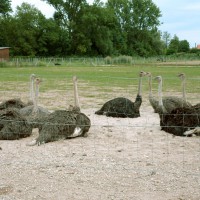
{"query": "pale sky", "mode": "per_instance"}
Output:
(180, 17)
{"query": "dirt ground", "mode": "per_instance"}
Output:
(121, 159)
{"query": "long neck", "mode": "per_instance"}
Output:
(183, 89)
(150, 86)
(140, 86)
(36, 97)
(76, 99)
(160, 101)
(31, 89)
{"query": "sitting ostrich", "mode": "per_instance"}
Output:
(34, 113)
(169, 102)
(64, 123)
(13, 125)
(123, 107)
(181, 121)
(16, 102)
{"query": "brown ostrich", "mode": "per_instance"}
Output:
(181, 121)
(169, 102)
(64, 123)
(123, 107)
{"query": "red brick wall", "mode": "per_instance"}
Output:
(4, 54)
(198, 46)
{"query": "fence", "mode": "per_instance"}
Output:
(121, 158)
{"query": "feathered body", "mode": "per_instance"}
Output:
(123, 107)
(179, 120)
(62, 124)
(13, 125)
(12, 103)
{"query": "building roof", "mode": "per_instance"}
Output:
(4, 47)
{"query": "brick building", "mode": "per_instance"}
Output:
(4, 53)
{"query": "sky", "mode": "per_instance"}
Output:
(179, 17)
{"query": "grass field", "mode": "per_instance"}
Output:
(103, 76)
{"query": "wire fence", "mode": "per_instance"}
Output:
(99, 61)
(121, 158)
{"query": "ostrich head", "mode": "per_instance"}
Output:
(142, 74)
(158, 78)
(181, 76)
(148, 74)
(38, 81)
(74, 78)
(32, 76)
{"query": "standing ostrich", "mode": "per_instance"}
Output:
(64, 123)
(13, 125)
(123, 107)
(16, 102)
(169, 102)
(181, 121)
(34, 113)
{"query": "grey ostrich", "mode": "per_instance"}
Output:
(64, 123)
(123, 107)
(34, 113)
(181, 121)
(16, 102)
(169, 102)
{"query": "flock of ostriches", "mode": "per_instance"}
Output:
(18, 119)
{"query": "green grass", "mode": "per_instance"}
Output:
(105, 77)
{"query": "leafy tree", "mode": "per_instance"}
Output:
(138, 21)
(166, 37)
(5, 7)
(184, 46)
(173, 45)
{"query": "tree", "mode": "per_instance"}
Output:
(166, 37)
(173, 45)
(184, 46)
(138, 21)
(5, 7)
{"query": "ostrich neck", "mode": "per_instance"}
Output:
(31, 89)
(150, 86)
(36, 98)
(160, 94)
(140, 86)
(76, 99)
(183, 89)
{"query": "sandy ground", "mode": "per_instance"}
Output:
(121, 159)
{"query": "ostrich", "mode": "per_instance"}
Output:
(181, 121)
(169, 102)
(13, 125)
(123, 107)
(64, 123)
(16, 102)
(34, 113)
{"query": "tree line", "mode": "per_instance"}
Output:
(117, 27)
